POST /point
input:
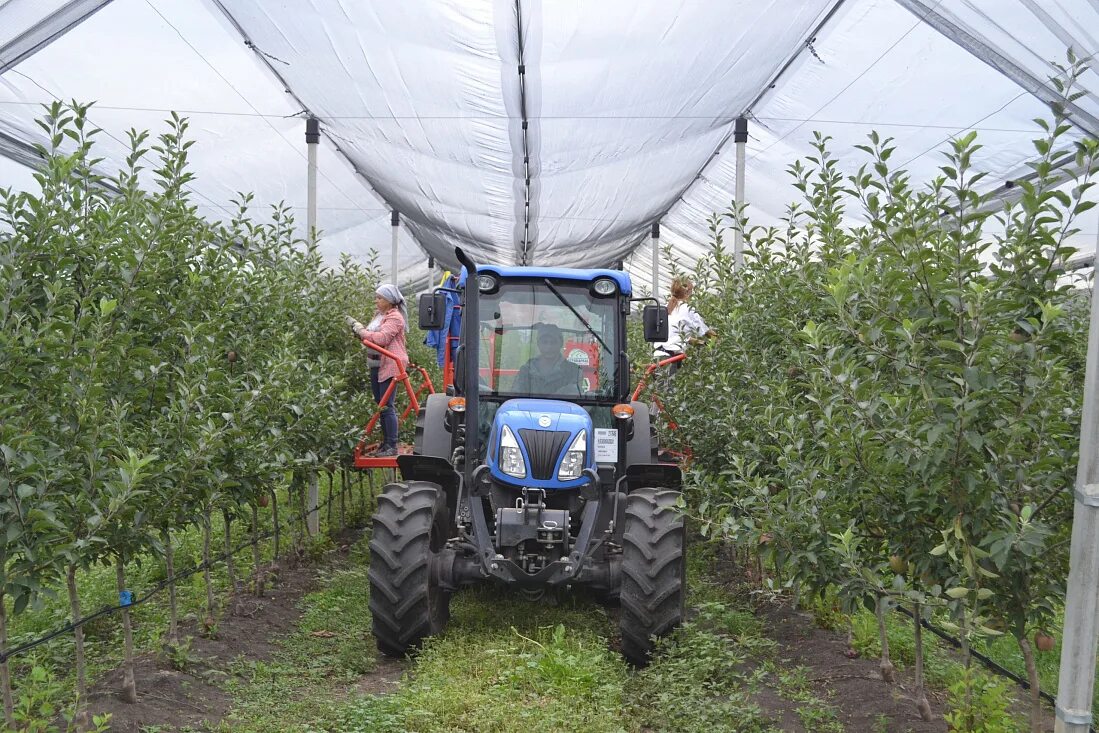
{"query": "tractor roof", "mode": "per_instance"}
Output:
(558, 273)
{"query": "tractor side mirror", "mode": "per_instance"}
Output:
(656, 323)
(432, 311)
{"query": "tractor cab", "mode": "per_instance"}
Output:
(536, 469)
(551, 352)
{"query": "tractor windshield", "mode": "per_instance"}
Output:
(547, 338)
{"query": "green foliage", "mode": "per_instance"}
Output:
(696, 683)
(980, 704)
(37, 705)
(905, 389)
(548, 678)
(158, 368)
(815, 713)
(329, 650)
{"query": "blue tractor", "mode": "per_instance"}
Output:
(535, 470)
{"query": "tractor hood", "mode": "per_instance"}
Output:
(542, 431)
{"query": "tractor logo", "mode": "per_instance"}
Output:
(580, 357)
(544, 421)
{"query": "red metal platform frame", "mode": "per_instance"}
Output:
(360, 459)
(686, 455)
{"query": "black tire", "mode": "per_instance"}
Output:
(410, 527)
(654, 571)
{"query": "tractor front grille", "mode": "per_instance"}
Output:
(544, 450)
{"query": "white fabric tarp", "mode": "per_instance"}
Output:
(620, 118)
(246, 139)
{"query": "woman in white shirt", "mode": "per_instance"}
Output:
(684, 323)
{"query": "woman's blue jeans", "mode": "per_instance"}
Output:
(389, 415)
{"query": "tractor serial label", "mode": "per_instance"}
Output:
(606, 445)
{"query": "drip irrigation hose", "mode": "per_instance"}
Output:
(990, 664)
(159, 587)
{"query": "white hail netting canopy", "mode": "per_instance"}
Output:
(550, 132)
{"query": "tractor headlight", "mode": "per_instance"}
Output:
(604, 286)
(573, 464)
(486, 284)
(511, 458)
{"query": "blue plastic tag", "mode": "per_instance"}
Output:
(125, 598)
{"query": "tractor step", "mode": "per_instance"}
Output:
(363, 459)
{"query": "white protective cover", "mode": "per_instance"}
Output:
(629, 106)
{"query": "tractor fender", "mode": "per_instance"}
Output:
(639, 449)
(432, 438)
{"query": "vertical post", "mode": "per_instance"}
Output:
(395, 220)
(740, 137)
(312, 138)
(656, 259)
(431, 280)
(312, 499)
(1076, 684)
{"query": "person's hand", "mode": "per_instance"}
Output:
(356, 327)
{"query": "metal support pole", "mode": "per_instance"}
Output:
(656, 259)
(395, 221)
(1076, 684)
(740, 137)
(312, 138)
(312, 498)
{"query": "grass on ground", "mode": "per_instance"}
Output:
(508, 664)
(45, 677)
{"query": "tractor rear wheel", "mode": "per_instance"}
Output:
(654, 571)
(406, 602)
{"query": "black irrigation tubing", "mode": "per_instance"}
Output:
(108, 610)
(987, 662)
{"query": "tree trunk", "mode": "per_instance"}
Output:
(257, 567)
(303, 526)
(1035, 688)
(922, 705)
(5, 673)
(128, 692)
(343, 495)
(886, 666)
(275, 520)
(173, 604)
(967, 661)
(292, 525)
(274, 577)
(207, 530)
(81, 718)
(230, 566)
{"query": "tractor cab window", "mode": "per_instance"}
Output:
(555, 340)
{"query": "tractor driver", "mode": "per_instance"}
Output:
(549, 372)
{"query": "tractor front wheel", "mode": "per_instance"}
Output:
(654, 571)
(406, 602)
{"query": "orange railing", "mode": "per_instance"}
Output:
(685, 455)
(652, 368)
(414, 394)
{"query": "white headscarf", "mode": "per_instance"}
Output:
(393, 294)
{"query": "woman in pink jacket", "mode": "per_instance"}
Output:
(387, 330)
